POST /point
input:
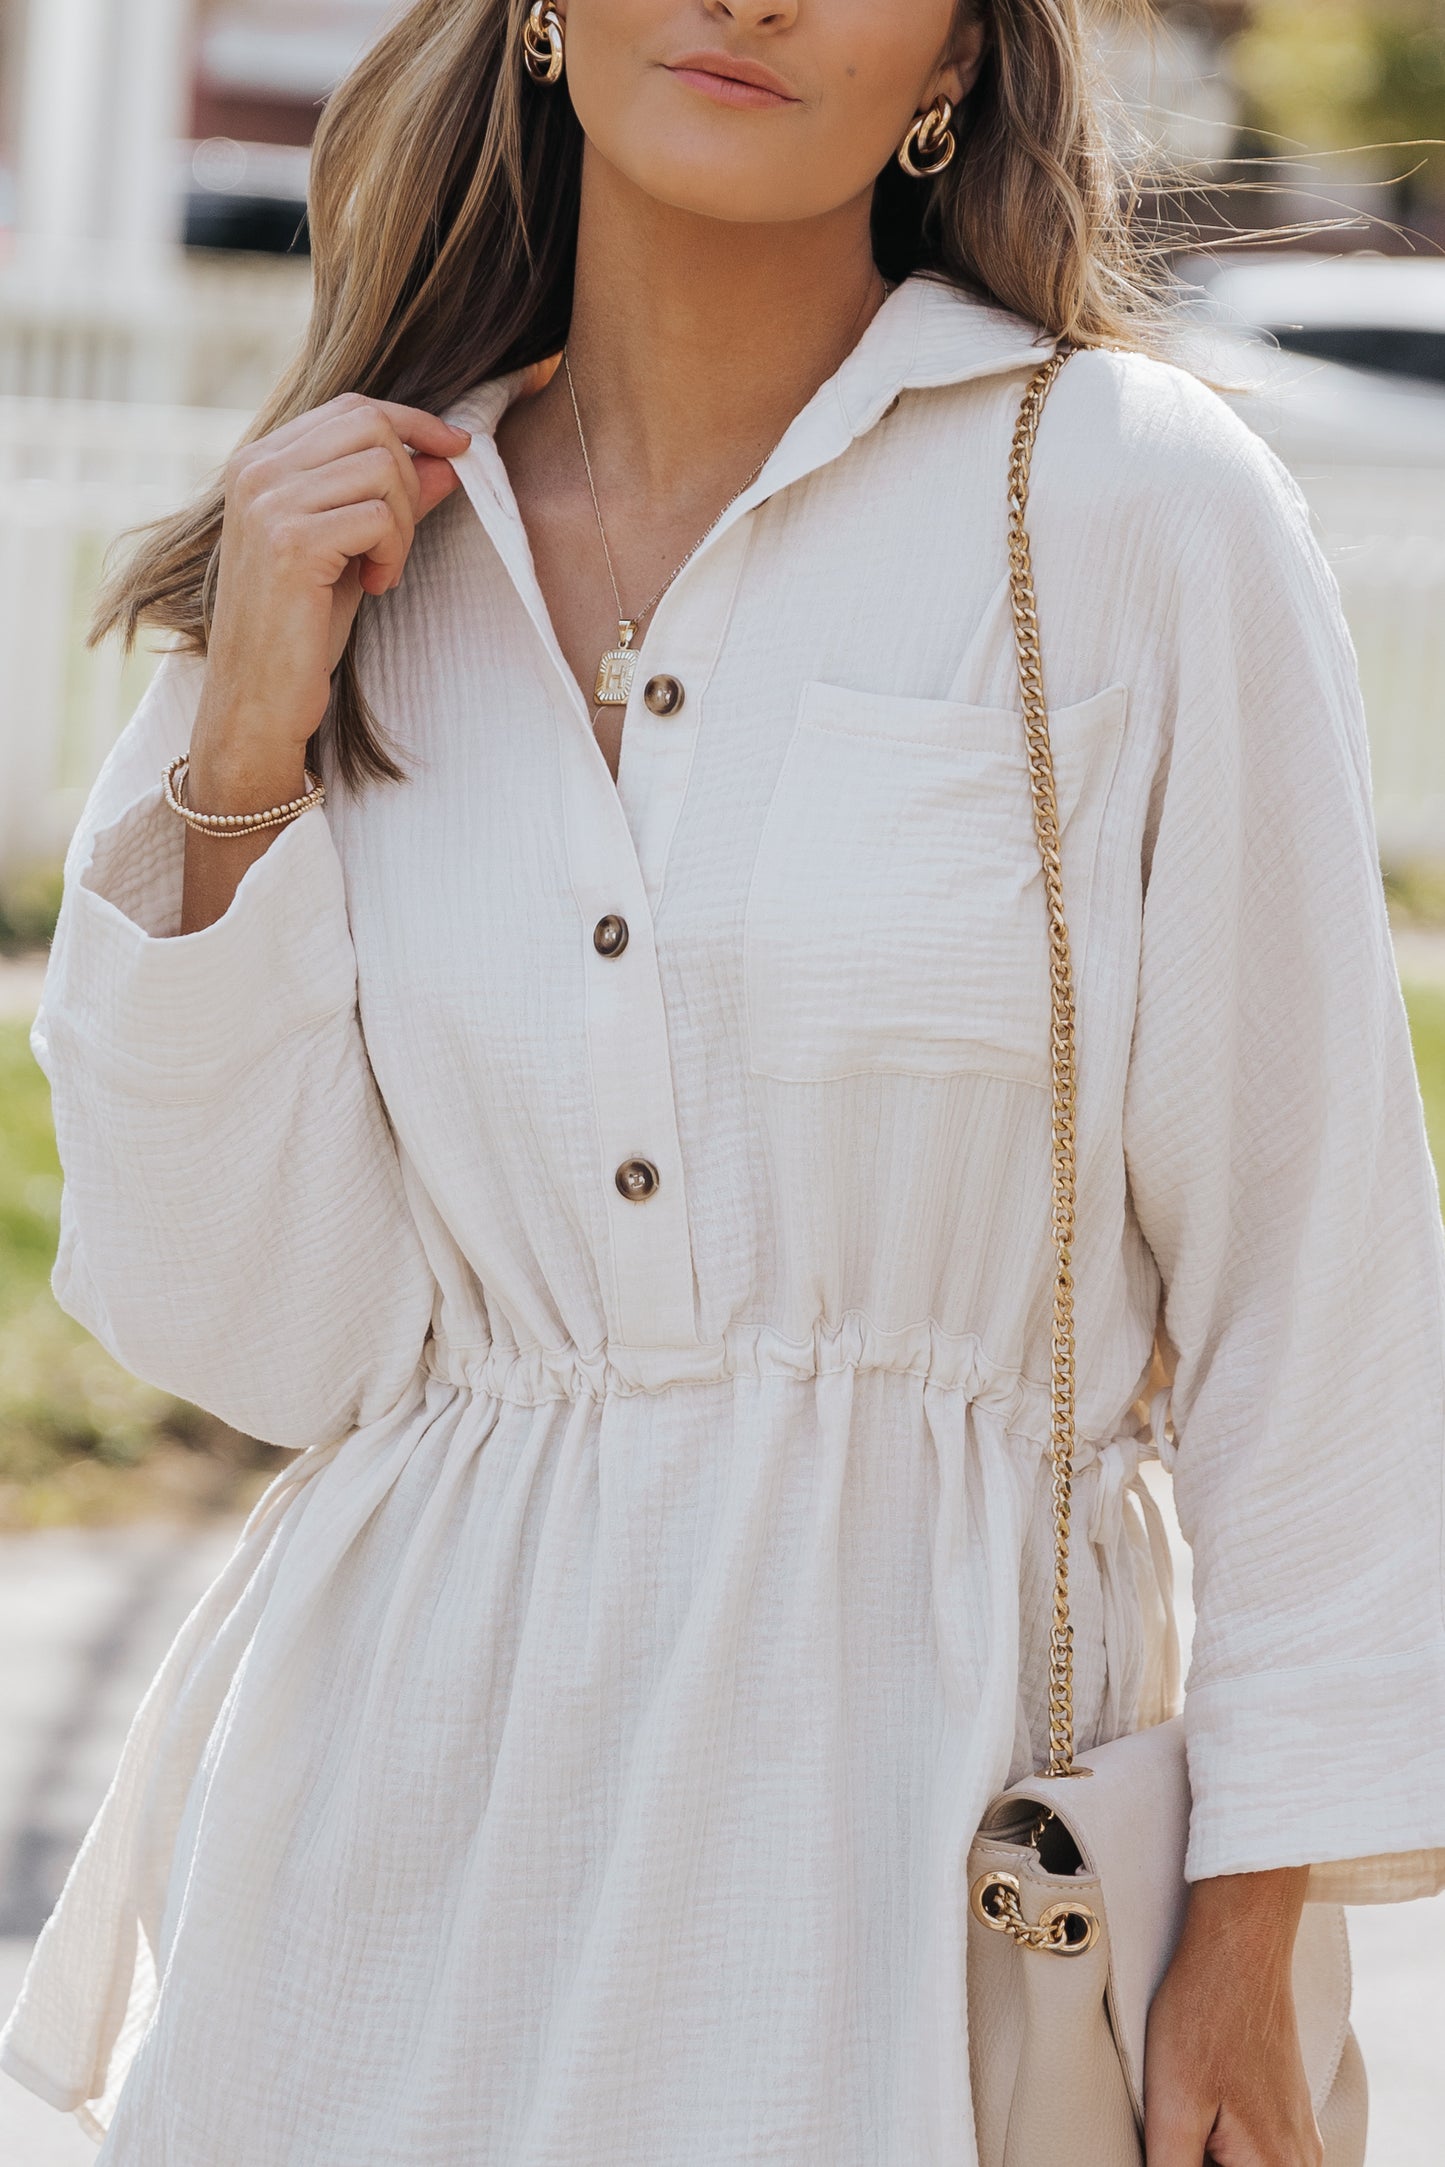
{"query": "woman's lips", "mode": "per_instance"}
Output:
(742, 83)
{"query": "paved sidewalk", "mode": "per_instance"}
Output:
(85, 1617)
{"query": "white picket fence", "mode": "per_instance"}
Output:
(75, 474)
(1384, 530)
(83, 323)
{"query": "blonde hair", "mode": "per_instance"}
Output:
(443, 216)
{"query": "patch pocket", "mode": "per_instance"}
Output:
(895, 922)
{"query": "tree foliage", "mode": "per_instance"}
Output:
(1349, 75)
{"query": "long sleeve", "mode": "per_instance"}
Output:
(234, 1226)
(1279, 1170)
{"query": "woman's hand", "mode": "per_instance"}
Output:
(1225, 2083)
(317, 514)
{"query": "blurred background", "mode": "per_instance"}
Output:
(153, 281)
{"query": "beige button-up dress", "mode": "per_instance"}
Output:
(576, 1764)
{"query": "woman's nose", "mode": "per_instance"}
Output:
(754, 14)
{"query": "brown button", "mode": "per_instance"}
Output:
(663, 695)
(609, 936)
(637, 1180)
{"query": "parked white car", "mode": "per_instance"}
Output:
(1367, 445)
(1337, 359)
(1382, 313)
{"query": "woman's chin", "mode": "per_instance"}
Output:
(731, 190)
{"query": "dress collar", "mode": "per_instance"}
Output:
(926, 334)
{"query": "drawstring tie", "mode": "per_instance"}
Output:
(1136, 1576)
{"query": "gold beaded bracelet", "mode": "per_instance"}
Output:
(275, 816)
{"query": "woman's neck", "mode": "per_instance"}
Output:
(693, 345)
(695, 341)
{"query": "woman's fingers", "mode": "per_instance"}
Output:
(337, 438)
(437, 478)
(351, 423)
(316, 513)
(1224, 2078)
(1176, 2139)
(297, 523)
(428, 479)
(366, 531)
(411, 424)
(365, 474)
(357, 479)
(423, 431)
(335, 433)
(352, 452)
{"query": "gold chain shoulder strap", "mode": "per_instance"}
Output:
(1063, 1055)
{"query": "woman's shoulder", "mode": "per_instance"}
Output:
(1147, 439)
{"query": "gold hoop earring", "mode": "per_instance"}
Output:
(542, 43)
(930, 143)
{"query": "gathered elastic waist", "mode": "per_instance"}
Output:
(531, 1375)
(1114, 1511)
(955, 1362)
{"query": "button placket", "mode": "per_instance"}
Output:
(639, 1152)
(618, 839)
(648, 1295)
(626, 1015)
(664, 715)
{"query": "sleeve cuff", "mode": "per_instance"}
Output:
(1340, 1768)
(178, 1013)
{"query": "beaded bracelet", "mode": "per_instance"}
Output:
(275, 816)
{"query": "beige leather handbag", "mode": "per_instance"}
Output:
(1076, 1877)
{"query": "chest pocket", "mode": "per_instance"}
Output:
(896, 920)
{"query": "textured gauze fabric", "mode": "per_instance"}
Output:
(576, 1764)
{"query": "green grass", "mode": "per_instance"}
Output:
(29, 1173)
(1427, 1028)
(29, 904)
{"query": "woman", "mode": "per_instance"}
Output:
(608, 1139)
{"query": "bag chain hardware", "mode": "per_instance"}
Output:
(1063, 1057)
(1065, 1929)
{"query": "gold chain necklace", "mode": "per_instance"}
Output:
(618, 666)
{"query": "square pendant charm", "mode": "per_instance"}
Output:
(615, 673)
